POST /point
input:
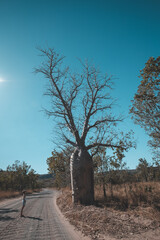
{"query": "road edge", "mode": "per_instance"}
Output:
(74, 232)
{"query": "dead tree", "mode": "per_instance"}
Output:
(83, 107)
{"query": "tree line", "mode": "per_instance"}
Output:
(107, 169)
(18, 176)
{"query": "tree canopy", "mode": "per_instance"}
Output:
(18, 176)
(59, 167)
(145, 108)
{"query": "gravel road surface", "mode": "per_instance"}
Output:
(42, 219)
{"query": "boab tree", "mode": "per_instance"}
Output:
(83, 107)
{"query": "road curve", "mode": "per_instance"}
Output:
(42, 219)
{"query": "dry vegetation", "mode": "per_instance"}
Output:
(8, 194)
(130, 195)
(12, 194)
(130, 211)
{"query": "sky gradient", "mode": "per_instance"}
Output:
(119, 36)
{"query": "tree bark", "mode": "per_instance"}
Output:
(82, 177)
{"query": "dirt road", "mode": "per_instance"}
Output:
(42, 219)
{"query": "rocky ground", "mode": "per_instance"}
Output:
(108, 223)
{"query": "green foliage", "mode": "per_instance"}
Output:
(143, 170)
(116, 161)
(156, 170)
(59, 166)
(18, 176)
(101, 164)
(109, 169)
(148, 172)
(146, 104)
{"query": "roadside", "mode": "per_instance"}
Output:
(8, 195)
(71, 228)
(107, 223)
(4, 195)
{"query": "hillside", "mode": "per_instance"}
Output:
(46, 180)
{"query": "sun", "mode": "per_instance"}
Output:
(2, 80)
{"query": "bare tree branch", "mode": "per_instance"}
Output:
(81, 102)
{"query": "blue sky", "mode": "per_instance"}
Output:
(117, 35)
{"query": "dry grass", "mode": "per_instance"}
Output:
(8, 194)
(13, 194)
(110, 218)
(126, 196)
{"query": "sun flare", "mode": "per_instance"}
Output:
(1, 79)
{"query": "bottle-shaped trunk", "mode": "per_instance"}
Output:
(82, 179)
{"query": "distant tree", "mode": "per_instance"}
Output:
(145, 108)
(82, 107)
(4, 181)
(116, 161)
(143, 170)
(58, 165)
(117, 173)
(110, 169)
(155, 170)
(101, 163)
(33, 179)
(18, 176)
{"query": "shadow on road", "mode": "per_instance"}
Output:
(37, 197)
(7, 210)
(34, 218)
(7, 218)
(42, 193)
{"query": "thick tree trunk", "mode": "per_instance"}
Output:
(82, 179)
